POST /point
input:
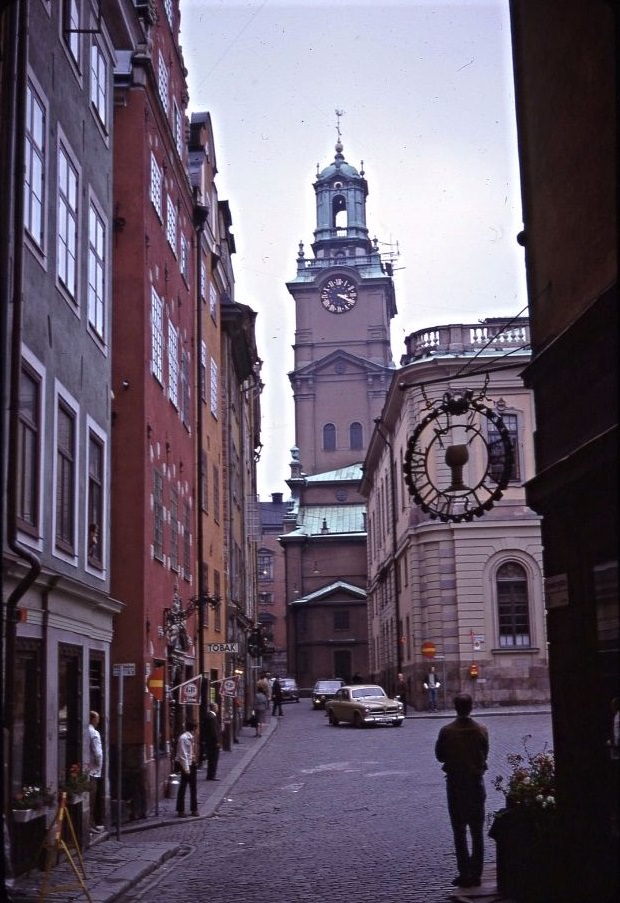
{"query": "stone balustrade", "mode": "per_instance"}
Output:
(495, 334)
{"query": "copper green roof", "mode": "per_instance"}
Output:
(353, 474)
(312, 520)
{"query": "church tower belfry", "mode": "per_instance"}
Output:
(344, 302)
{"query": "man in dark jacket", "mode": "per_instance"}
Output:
(463, 747)
(212, 741)
(276, 697)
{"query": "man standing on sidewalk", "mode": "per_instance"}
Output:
(186, 757)
(463, 747)
(95, 765)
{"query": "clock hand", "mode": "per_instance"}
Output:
(344, 297)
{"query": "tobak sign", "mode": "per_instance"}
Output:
(429, 650)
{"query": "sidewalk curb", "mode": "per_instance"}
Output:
(209, 806)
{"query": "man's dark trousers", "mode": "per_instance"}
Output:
(213, 756)
(188, 780)
(466, 797)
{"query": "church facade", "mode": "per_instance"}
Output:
(344, 302)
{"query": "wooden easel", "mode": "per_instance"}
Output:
(55, 844)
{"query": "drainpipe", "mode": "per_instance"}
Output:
(13, 222)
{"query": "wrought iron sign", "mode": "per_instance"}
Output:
(175, 617)
(459, 458)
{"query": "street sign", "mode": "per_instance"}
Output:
(222, 647)
(229, 687)
(155, 684)
(127, 669)
(429, 650)
(189, 693)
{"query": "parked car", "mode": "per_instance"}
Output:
(364, 704)
(325, 690)
(290, 691)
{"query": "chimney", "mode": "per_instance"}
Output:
(276, 498)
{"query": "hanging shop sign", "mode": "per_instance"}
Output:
(459, 458)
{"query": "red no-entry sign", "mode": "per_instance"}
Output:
(429, 650)
(156, 684)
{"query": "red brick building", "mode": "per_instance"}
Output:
(153, 482)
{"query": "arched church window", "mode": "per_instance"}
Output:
(329, 437)
(355, 436)
(513, 612)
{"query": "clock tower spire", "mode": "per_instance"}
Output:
(344, 302)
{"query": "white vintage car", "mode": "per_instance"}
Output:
(364, 704)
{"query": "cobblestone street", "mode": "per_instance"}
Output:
(333, 814)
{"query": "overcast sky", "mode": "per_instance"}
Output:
(427, 94)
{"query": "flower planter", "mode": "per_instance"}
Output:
(23, 815)
(528, 857)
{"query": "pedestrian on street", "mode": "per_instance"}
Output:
(276, 697)
(186, 757)
(431, 685)
(463, 747)
(261, 706)
(213, 740)
(95, 766)
(401, 691)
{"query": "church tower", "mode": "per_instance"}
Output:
(344, 302)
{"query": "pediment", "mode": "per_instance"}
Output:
(338, 363)
(339, 591)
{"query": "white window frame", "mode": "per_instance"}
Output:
(61, 395)
(184, 262)
(203, 370)
(35, 181)
(169, 10)
(173, 364)
(94, 428)
(171, 225)
(157, 337)
(68, 217)
(163, 83)
(214, 387)
(156, 186)
(37, 368)
(97, 270)
(70, 23)
(99, 83)
(177, 124)
(212, 300)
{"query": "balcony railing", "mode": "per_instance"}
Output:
(496, 334)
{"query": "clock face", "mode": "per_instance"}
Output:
(452, 471)
(338, 295)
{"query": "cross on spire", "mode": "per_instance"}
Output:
(339, 113)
